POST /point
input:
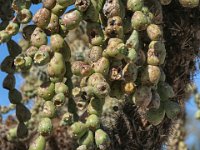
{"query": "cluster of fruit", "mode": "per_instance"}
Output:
(125, 63)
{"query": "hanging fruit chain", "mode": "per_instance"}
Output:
(126, 47)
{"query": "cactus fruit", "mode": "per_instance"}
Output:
(189, 3)
(49, 4)
(45, 127)
(38, 38)
(102, 139)
(38, 144)
(93, 122)
(87, 139)
(46, 90)
(49, 109)
(135, 5)
(24, 16)
(79, 129)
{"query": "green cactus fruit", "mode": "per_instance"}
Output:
(139, 21)
(95, 34)
(95, 53)
(53, 26)
(56, 66)
(142, 96)
(95, 106)
(102, 139)
(87, 139)
(133, 40)
(24, 44)
(135, 5)
(27, 31)
(59, 99)
(115, 28)
(22, 112)
(13, 48)
(165, 91)
(101, 89)
(82, 147)
(7, 65)
(156, 53)
(116, 48)
(19, 61)
(4, 37)
(57, 42)
(172, 109)
(111, 105)
(12, 134)
(154, 32)
(58, 9)
(93, 122)
(45, 127)
(155, 102)
(46, 48)
(14, 96)
(49, 4)
(150, 75)
(28, 63)
(80, 68)
(165, 2)
(12, 28)
(22, 4)
(49, 109)
(38, 38)
(197, 115)
(102, 66)
(42, 18)
(41, 58)
(82, 5)
(189, 3)
(24, 16)
(132, 55)
(130, 72)
(65, 3)
(71, 19)
(46, 90)
(79, 129)
(114, 8)
(67, 119)
(31, 51)
(95, 78)
(22, 130)
(61, 87)
(38, 144)
(9, 82)
(156, 116)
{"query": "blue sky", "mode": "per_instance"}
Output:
(190, 105)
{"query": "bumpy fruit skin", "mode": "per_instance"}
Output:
(61, 87)
(59, 99)
(87, 139)
(9, 82)
(24, 16)
(130, 72)
(79, 129)
(57, 42)
(93, 122)
(4, 36)
(114, 8)
(49, 4)
(19, 61)
(24, 44)
(142, 96)
(72, 19)
(154, 32)
(189, 3)
(82, 5)
(172, 109)
(28, 63)
(133, 40)
(155, 116)
(22, 112)
(56, 66)
(67, 119)
(102, 139)
(102, 66)
(95, 53)
(135, 5)
(42, 18)
(45, 127)
(49, 109)
(46, 90)
(38, 144)
(53, 26)
(128, 87)
(139, 21)
(165, 91)
(31, 51)
(14, 96)
(58, 9)
(38, 38)
(81, 68)
(150, 75)
(12, 28)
